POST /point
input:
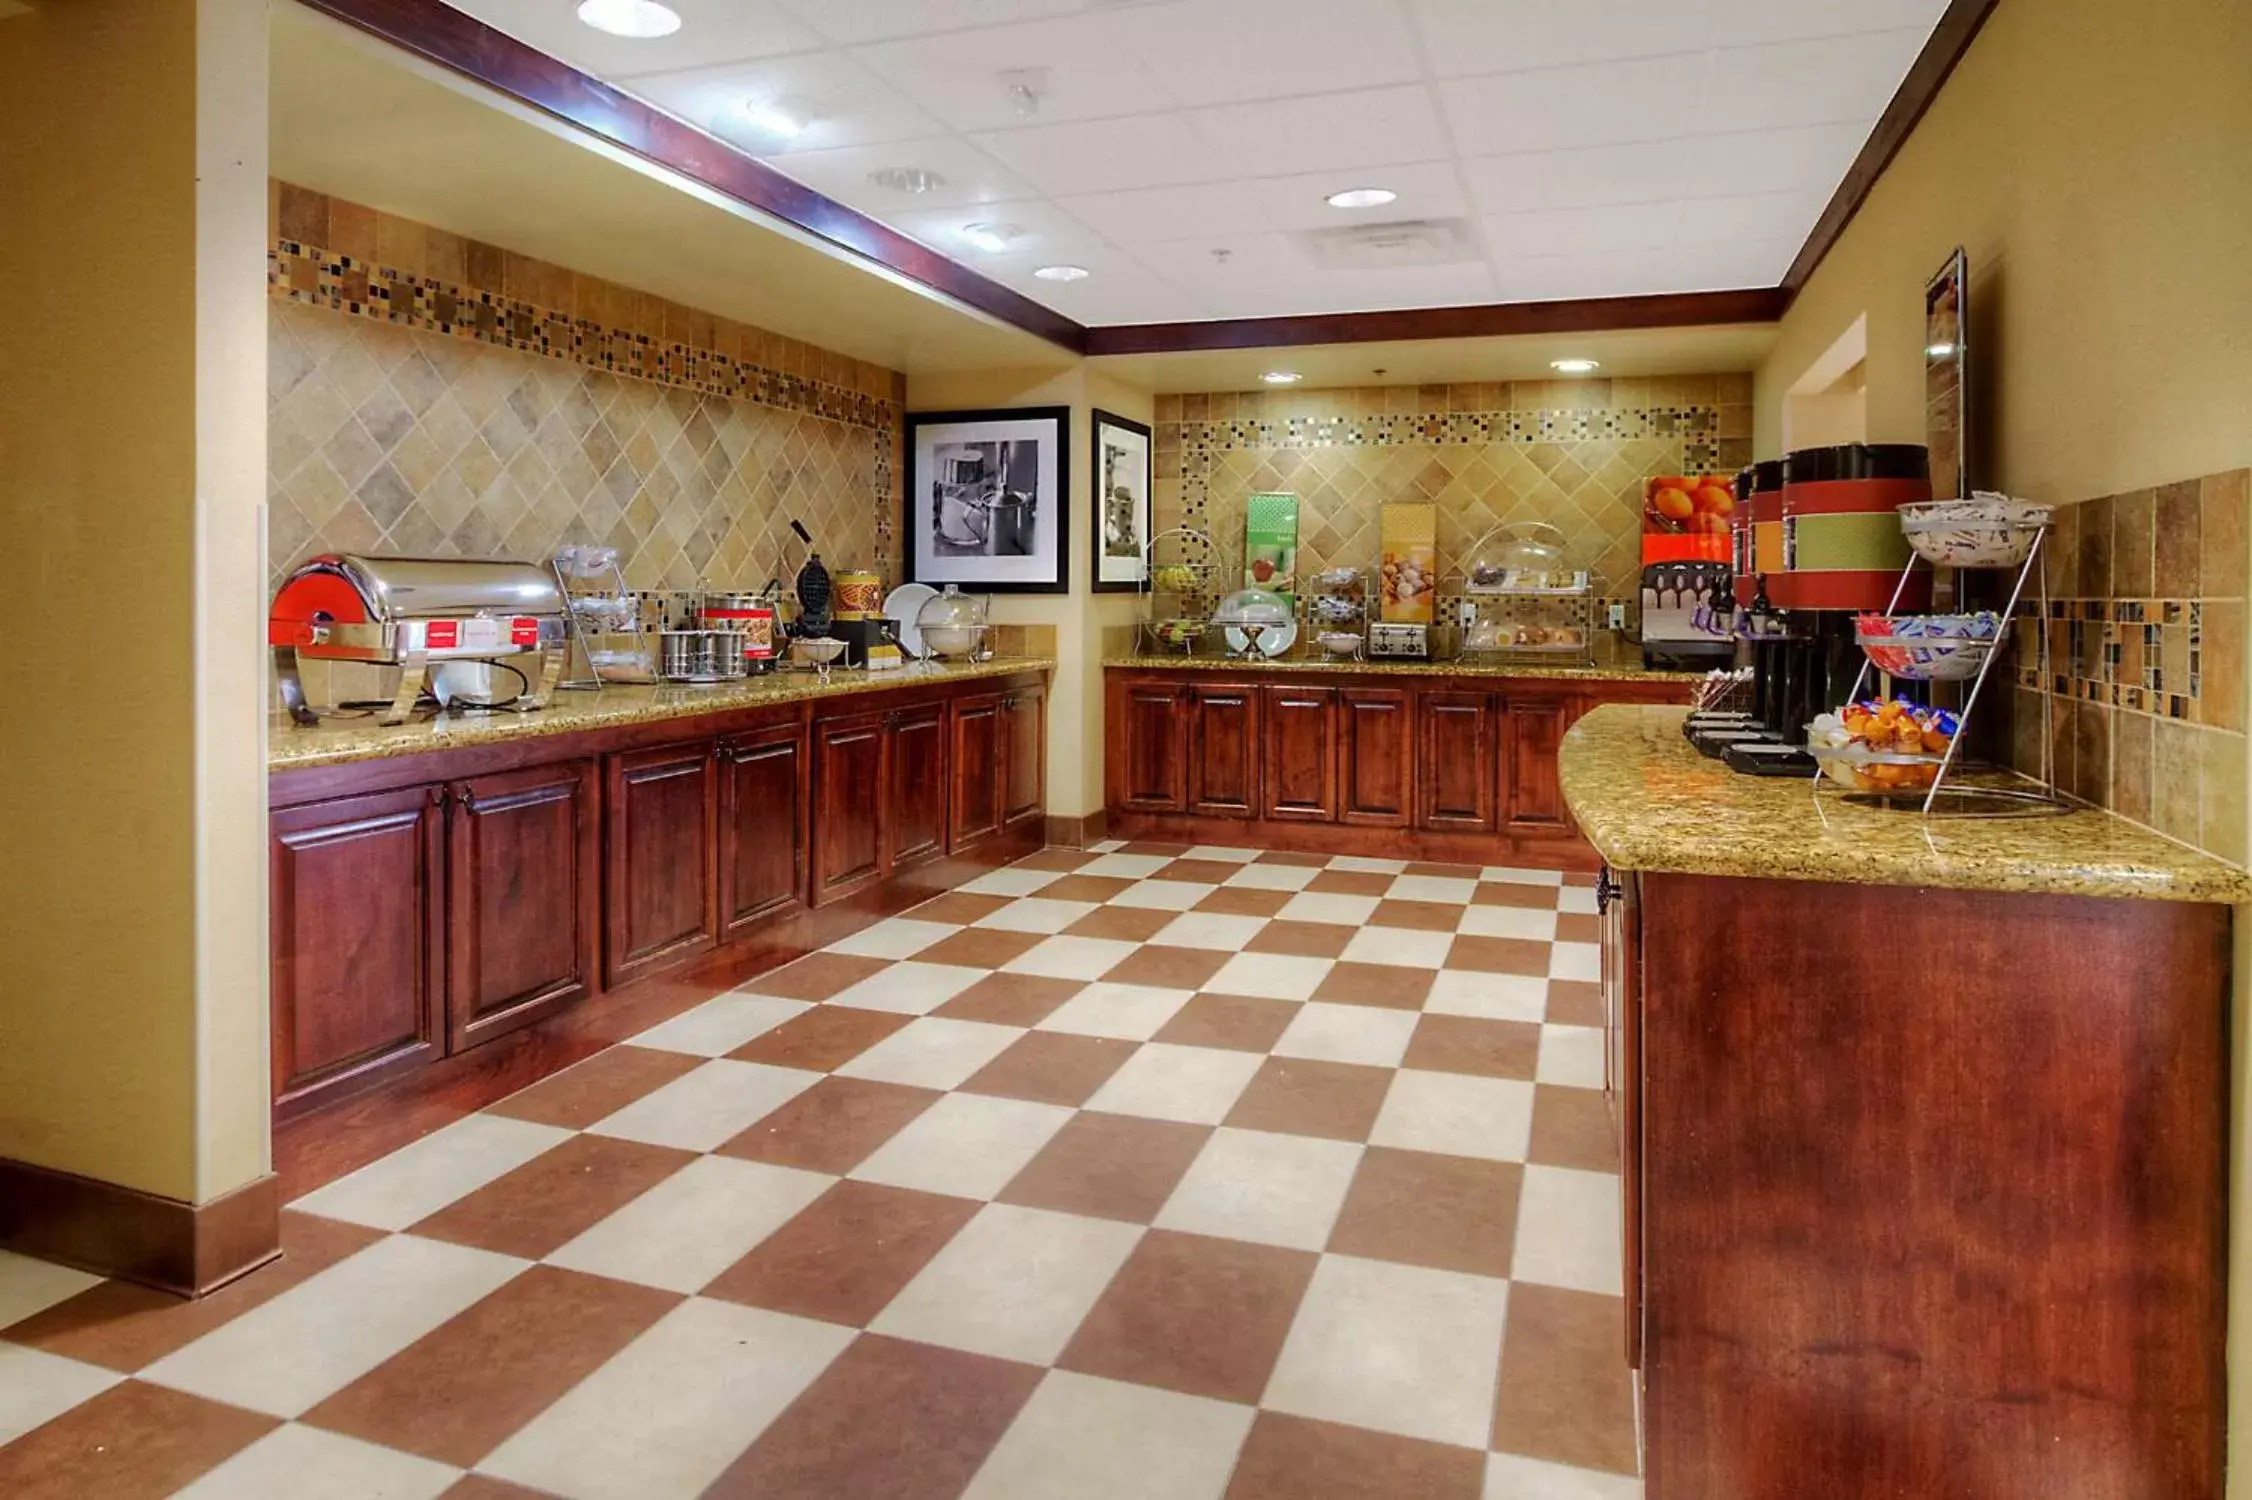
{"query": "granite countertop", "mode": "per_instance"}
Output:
(1648, 801)
(338, 741)
(1625, 671)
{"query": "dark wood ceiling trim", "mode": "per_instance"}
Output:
(1584, 315)
(1950, 39)
(438, 32)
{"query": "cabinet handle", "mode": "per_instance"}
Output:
(466, 797)
(1607, 890)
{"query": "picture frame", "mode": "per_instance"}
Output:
(1121, 490)
(986, 503)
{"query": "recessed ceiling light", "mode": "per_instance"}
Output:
(991, 238)
(1282, 377)
(784, 119)
(1362, 198)
(907, 179)
(640, 19)
(1574, 366)
(1062, 273)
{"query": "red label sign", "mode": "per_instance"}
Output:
(523, 631)
(441, 635)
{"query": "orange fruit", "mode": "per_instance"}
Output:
(1675, 505)
(1714, 500)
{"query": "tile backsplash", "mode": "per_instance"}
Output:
(434, 396)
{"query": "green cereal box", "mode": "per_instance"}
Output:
(1270, 543)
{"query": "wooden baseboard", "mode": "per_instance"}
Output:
(1546, 849)
(186, 1248)
(1078, 833)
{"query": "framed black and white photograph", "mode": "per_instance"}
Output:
(1122, 484)
(988, 499)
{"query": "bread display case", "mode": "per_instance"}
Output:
(1523, 600)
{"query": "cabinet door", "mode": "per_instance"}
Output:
(762, 827)
(1024, 757)
(357, 887)
(1455, 735)
(1532, 798)
(917, 775)
(663, 810)
(1223, 744)
(1375, 758)
(1300, 781)
(980, 750)
(848, 805)
(521, 898)
(1146, 764)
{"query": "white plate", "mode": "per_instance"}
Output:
(904, 608)
(1273, 641)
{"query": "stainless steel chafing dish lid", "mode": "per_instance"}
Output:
(421, 588)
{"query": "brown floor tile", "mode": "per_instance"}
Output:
(1453, 1213)
(1168, 968)
(1108, 1167)
(1303, 939)
(1191, 1313)
(1510, 893)
(1299, 1096)
(1199, 871)
(1095, 888)
(1581, 878)
(980, 947)
(1296, 1458)
(120, 1326)
(1572, 1128)
(1386, 985)
(1443, 872)
(1578, 927)
(1236, 1022)
(889, 1418)
(131, 1441)
(602, 1085)
(485, 1487)
(1154, 846)
(1301, 861)
(1056, 859)
(1462, 1044)
(1124, 924)
(822, 1039)
(847, 1254)
(1565, 1392)
(831, 1127)
(817, 976)
(1349, 883)
(546, 1203)
(1052, 1068)
(458, 1391)
(1009, 999)
(1243, 901)
(1575, 1002)
(961, 908)
(1418, 916)
(1488, 955)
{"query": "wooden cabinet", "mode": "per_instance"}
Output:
(1455, 762)
(1024, 759)
(849, 798)
(1223, 750)
(1300, 776)
(662, 807)
(357, 909)
(915, 774)
(1146, 758)
(980, 755)
(522, 897)
(1532, 729)
(1375, 757)
(764, 812)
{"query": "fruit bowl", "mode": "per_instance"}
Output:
(1985, 531)
(1929, 648)
(1339, 643)
(1866, 770)
(1883, 747)
(1177, 634)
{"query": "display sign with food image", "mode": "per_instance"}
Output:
(1697, 507)
(1409, 542)
(1270, 543)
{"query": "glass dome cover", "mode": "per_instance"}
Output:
(1527, 557)
(952, 623)
(1261, 609)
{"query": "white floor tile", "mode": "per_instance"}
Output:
(1572, 1055)
(1013, 881)
(1273, 877)
(1256, 1185)
(1401, 1349)
(1162, 895)
(307, 1463)
(897, 937)
(1361, 864)
(693, 1225)
(1508, 876)
(1036, 914)
(1106, 846)
(1531, 924)
(1094, 1439)
(673, 1408)
(1125, 866)
(1509, 1477)
(720, 1025)
(1269, 976)
(703, 1110)
(932, 1052)
(1015, 1283)
(28, 1285)
(1221, 853)
(909, 989)
(1328, 906)
(1196, 1085)
(1456, 1115)
(1579, 899)
(284, 1356)
(1489, 997)
(1071, 958)
(416, 1181)
(36, 1387)
(1347, 1034)
(1215, 931)
(1583, 961)
(1401, 947)
(966, 1145)
(1568, 1230)
(1129, 1012)
(1433, 888)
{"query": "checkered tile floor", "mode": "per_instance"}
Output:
(1142, 1172)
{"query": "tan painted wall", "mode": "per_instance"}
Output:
(132, 897)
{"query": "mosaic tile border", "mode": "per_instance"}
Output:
(2143, 655)
(1437, 428)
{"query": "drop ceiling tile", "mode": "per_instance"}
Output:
(1804, 156)
(1336, 132)
(1576, 231)
(1099, 156)
(1428, 190)
(1048, 233)
(1248, 259)
(1546, 278)
(1089, 67)
(1654, 99)
(1466, 37)
(1726, 264)
(971, 176)
(1582, 177)
(1142, 216)
(1804, 83)
(1738, 22)
(843, 104)
(1224, 51)
(1118, 290)
(849, 21)
(711, 32)
(1750, 216)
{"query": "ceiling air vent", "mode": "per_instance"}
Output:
(1383, 247)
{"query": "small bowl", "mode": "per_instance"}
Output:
(1866, 770)
(1930, 648)
(817, 650)
(1177, 634)
(1339, 642)
(1982, 532)
(951, 640)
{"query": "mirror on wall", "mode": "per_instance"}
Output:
(1947, 378)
